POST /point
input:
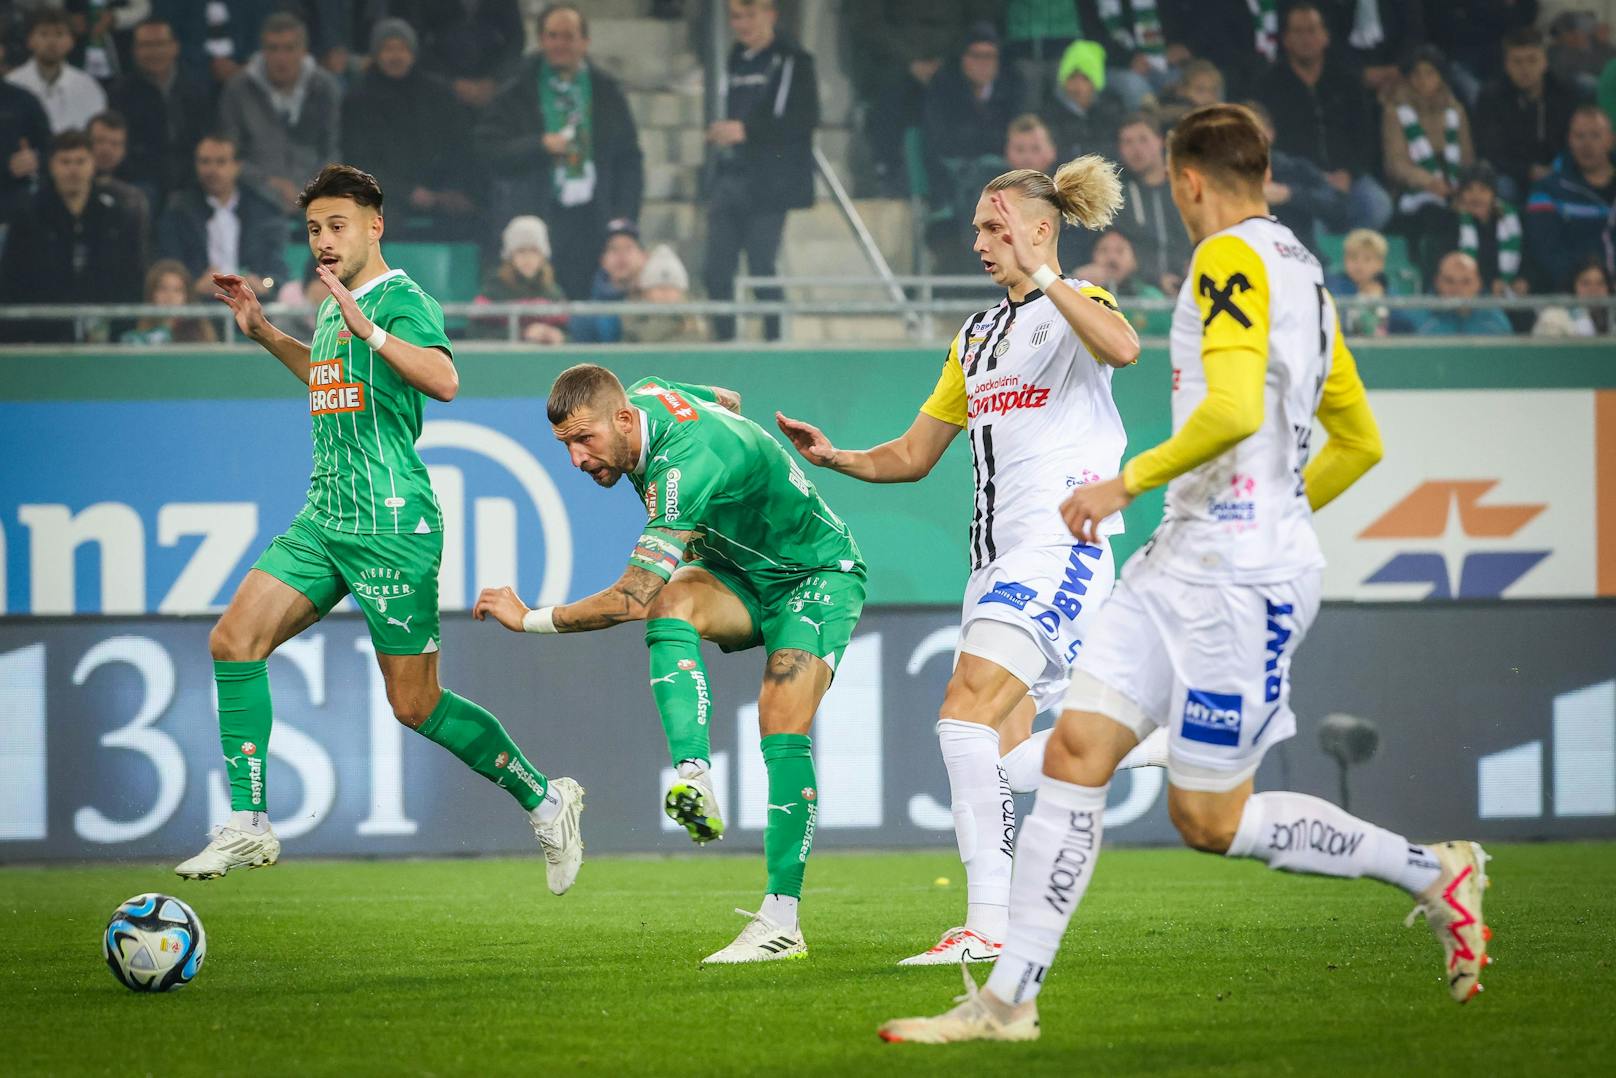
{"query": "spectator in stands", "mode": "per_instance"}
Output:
(663, 280)
(389, 114)
(1528, 112)
(24, 137)
(1468, 33)
(562, 143)
(166, 112)
(1567, 209)
(1027, 144)
(74, 244)
(1134, 47)
(109, 143)
(526, 275)
(620, 264)
(69, 96)
(1036, 35)
(968, 107)
(1115, 268)
(1240, 37)
(168, 284)
(219, 225)
(1298, 193)
(897, 48)
(1425, 139)
(1374, 37)
(761, 154)
(474, 44)
(1488, 229)
(1323, 114)
(1199, 83)
(1364, 252)
(1458, 278)
(1592, 319)
(1082, 117)
(1148, 218)
(1579, 50)
(282, 111)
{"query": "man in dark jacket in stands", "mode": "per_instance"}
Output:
(561, 143)
(1299, 194)
(24, 139)
(1521, 119)
(166, 111)
(388, 115)
(1148, 217)
(1569, 210)
(75, 243)
(760, 154)
(219, 225)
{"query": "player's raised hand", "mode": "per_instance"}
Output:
(809, 440)
(235, 293)
(358, 324)
(502, 605)
(1017, 234)
(1087, 506)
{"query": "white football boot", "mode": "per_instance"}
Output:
(980, 1016)
(1452, 908)
(691, 803)
(957, 945)
(230, 847)
(561, 840)
(760, 941)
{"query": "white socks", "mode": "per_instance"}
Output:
(1055, 859)
(254, 823)
(984, 822)
(1298, 833)
(781, 909)
(548, 808)
(1024, 764)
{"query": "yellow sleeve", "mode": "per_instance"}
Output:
(1102, 297)
(947, 401)
(1231, 289)
(1354, 446)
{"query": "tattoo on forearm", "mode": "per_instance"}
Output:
(625, 600)
(786, 665)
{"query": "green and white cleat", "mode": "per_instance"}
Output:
(980, 1016)
(230, 848)
(692, 804)
(760, 941)
(561, 839)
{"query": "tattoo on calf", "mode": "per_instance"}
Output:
(785, 665)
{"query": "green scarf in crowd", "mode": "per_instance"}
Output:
(568, 106)
(1424, 155)
(1265, 21)
(1141, 33)
(1507, 227)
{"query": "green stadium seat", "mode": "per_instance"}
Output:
(297, 259)
(448, 272)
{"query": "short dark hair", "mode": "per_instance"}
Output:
(1146, 118)
(1479, 173)
(552, 9)
(1301, 5)
(282, 22)
(1525, 37)
(153, 20)
(66, 141)
(108, 118)
(221, 136)
(1226, 142)
(581, 386)
(343, 181)
(1590, 108)
(50, 16)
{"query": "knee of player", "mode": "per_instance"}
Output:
(412, 708)
(1200, 830)
(228, 643)
(671, 602)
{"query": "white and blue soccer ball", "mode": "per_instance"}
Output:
(154, 943)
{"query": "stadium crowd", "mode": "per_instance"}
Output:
(1456, 147)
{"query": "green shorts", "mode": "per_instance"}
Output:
(816, 612)
(393, 578)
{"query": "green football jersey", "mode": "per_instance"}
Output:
(367, 477)
(707, 470)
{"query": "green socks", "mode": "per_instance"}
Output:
(245, 717)
(793, 805)
(679, 687)
(482, 744)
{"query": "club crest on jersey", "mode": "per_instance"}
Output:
(329, 394)
(1041, 334)
(1001, 348)
(1223, 298)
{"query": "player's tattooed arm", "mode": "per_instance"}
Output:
(626, 600)
(728, 398)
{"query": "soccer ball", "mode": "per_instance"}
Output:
(154, 943)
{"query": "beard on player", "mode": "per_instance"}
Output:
(599, 444)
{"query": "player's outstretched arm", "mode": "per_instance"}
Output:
(905, 459)
(235, 293)
(428, 369)
(1354, 446)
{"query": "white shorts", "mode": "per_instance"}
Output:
(1209, 662)
(1051, 594)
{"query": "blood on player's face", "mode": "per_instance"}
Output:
(342, 235)
(597, 442)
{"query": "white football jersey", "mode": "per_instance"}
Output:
(1243, 517)
(1038, 409)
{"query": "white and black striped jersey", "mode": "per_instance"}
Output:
(1037, 406)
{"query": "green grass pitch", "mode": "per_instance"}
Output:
(1177, 963)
